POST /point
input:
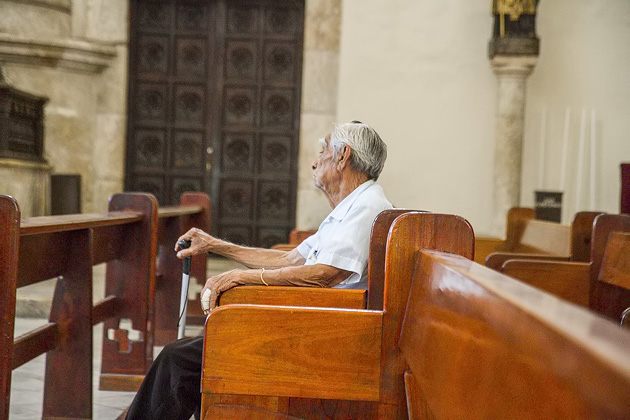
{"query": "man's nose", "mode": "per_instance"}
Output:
(314, 164)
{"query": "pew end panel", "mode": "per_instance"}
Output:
(613, 280)
(606, 298)
(410, 233)
(303, 352)
(471, 334)
(582, 235)
(128, 353)
(9, 248)
(566, 280)
(295, 296)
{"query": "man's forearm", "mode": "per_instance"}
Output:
(318, 275)
(256, 257)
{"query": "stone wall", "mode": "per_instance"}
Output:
(74, 53)
(320, 71)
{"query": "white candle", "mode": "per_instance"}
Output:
(580, 161)
(565, 150)
(541, 151)
(593, 155)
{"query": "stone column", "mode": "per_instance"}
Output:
(512, 73)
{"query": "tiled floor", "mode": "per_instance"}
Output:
(27, 381)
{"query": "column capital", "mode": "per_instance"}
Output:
(513, 65)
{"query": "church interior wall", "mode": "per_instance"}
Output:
(73, 52)
(419, 73)
(584, 63)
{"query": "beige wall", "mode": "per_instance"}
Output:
(74, 53)
(585, 62)
(418, 72)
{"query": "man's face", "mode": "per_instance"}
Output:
(324, 166)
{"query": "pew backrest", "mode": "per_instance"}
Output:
(479, 342)
(67, 247)
(606, 297)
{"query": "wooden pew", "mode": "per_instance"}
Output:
(594, 285)
(67, 247)
(272, 362)
(537, 239)
(482, 345)
(372, 298)
(173, 221)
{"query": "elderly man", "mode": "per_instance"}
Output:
(350, 161)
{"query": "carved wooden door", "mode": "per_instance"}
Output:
(214, 93)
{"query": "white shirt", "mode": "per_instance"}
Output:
(343, 238)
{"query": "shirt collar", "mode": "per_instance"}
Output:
(342, 208)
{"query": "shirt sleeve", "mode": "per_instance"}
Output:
(304, 248)
(347, 245)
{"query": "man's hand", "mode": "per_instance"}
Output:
(200, 242)
(217, 285)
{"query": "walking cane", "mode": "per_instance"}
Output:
(183, 300)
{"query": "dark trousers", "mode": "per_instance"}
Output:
(171, 390)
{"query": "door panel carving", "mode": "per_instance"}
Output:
(214, 93)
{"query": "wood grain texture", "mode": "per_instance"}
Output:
(9, 248)
(582, 235)
(410, 233)
(566, 280)
(606, 298)
(293, 352)
(376, 262)
(68, 379)
(132, 279)
(472, 334)
(295, 296)
(496, 260)
(615, 269)
(63, 223)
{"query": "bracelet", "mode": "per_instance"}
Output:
(261, 277)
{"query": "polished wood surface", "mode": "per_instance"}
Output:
(496, 260)
(566, 280)
(131, 277)
(380, 398)
(480, 344)
(376, 262)
(606, 297)
(291, 351)
(67, 247)
(410, 233)
(295, 296)
(539, 238)
(9, 248)
(370, 299)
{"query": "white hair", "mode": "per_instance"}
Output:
(368, 150)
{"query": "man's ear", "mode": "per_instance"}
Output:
(344, 156)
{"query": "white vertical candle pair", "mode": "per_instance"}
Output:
(593, 159)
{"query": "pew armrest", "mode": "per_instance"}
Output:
(496, 259)
(485, 246)
(295, 296)
(566, 280)
(292, 352)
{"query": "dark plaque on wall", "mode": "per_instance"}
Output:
(549, 206)
(21, 123)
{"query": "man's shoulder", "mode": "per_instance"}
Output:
(372, 200)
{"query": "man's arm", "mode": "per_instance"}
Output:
(250, 257)
(317, 275)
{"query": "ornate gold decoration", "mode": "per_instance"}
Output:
(513, 8)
